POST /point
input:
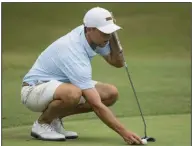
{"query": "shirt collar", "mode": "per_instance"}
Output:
(86, 45)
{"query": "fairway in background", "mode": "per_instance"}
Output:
(156, 41)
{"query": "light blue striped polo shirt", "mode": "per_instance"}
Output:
(68, 60)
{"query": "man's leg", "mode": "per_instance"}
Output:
(108, 94)
(53, 97)
(65, 103)
(66, 97)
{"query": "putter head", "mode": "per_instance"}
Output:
(149, 139)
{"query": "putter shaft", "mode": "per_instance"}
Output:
(126, 68)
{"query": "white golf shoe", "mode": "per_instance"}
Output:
(58, 126)
(46, 132)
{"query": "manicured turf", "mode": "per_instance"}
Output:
(168, 130)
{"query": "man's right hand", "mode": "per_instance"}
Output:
(105, 114)
(131, 138)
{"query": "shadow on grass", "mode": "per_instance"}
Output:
(100, 140)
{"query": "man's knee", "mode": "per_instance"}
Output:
(109, 93)
(68, 93)
(74, 94)
(113, 94)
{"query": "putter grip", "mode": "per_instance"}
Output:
(118, 41)
(116, 35)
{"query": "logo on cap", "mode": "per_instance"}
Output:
(109, 18)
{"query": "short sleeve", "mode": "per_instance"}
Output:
(78, 70)
(103, 51)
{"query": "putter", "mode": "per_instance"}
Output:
(148, 139)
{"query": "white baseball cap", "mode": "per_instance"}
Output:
(101, 19)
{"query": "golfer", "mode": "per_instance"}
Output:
(60, 84)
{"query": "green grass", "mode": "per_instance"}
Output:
(156, 41)
(168, 130)
(159, 83)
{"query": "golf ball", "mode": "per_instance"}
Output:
(144, 141)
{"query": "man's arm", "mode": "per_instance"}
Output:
(102, 111)
(105, 114)
(80, 74)
(115, 57)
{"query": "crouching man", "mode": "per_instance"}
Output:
(60, 84)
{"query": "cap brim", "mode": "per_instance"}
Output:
(108, 29)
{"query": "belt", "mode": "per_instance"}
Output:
(25, 84)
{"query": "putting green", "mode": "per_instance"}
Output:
(157, 49)
(169, 130)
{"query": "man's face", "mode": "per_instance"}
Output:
(98, 37)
